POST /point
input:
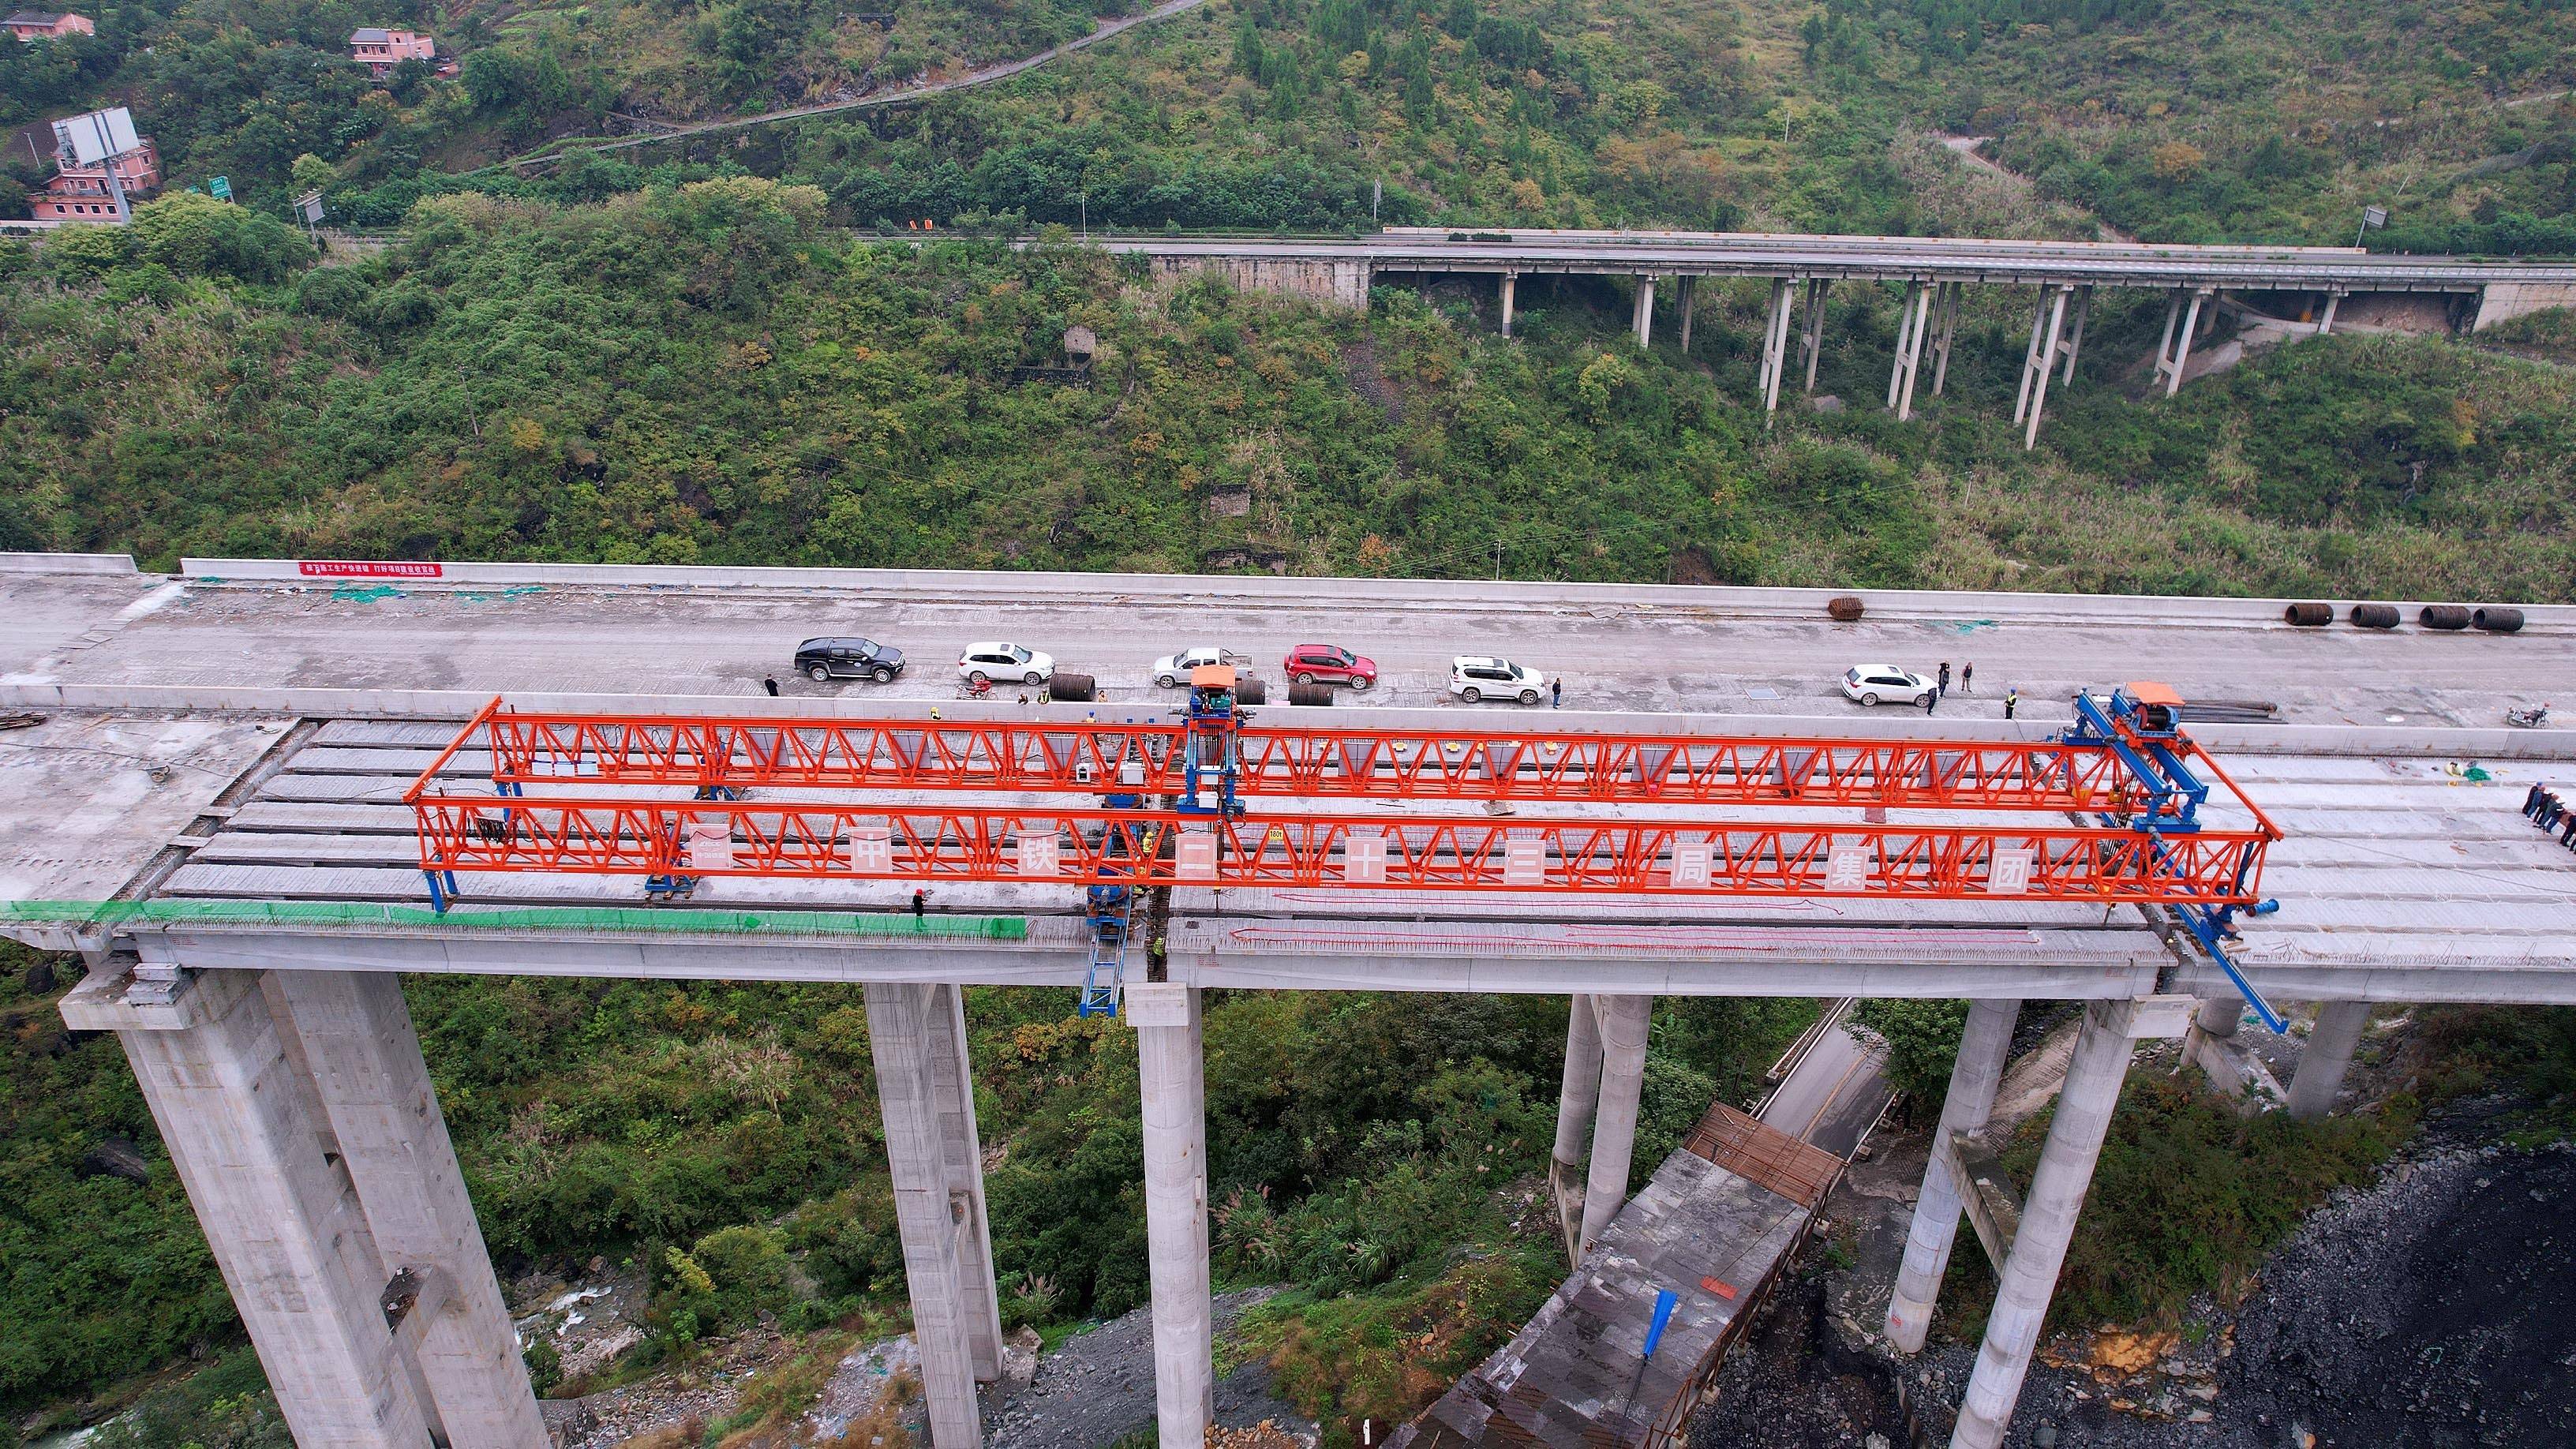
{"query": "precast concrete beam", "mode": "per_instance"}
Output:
(1974, 1074)
(2029, 1273)
(1622, 1021)
(358, 1042)
(2327, 1056)
(906, 1026)
(247, 1132)
(1172, 1073)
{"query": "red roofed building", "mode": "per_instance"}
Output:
(80, 193)
(381, 50)
(30, 26)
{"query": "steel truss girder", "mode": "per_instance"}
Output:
(1085, 847)
(1337, 762)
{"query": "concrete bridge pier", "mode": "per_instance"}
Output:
(1510, 282)
(1815, 335)
(2328, 1055)
(1578, 1098)
(1911, 317)
(254, 1144)
(2029, 1272)
(1974, 1074)
(1621, 1021)
(2175, 350)
(1644, 321)
(358, 1043)
(1683, 288)
(1775, 345)
(917, 1034)
(1605, 1077)
(2046, 327)
(1172, 1071)
(1946, 324)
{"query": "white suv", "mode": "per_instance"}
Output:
(1472, 678)
(997, 660)
(1884, 684)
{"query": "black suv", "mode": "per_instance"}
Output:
(823, 659)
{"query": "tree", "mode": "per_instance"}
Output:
(311, 172)
(192, 233)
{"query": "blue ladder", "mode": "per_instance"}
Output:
(1110, 907)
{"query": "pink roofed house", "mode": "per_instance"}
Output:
(30, 26)
(381, 50)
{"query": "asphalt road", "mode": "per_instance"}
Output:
(148, 631)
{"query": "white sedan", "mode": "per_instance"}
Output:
(1884, 684)
(1174, 669)
(998, 660)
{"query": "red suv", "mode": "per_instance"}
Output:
(1329, 664)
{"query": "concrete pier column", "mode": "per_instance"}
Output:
(1974, 1075)
(1578, 1095)
(1683, 287)
(2182, 343)
(1904, 333)
(2325, 324)
(1951, 295)
(1172, 1070)
(1645, 320)
(248, 1136)
(1510, 282)
(2328, 1053)
(1622, 1021)
(1815, 338)
(364, 1056)
(2037, 384)
(2075, 339)
(2030, 357)
(2219, 1016)
(907, 1031)
(1909, 348)
(2057, 1188)
(1775, 344)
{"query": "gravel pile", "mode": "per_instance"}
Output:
(2436, 1308)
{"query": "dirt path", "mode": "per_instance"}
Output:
(1965, 148)
(968, 81)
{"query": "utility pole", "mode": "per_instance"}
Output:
(1083, 200)
(1377, 193)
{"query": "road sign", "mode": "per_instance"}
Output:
(93, 136)
(309, 207)
(222, 187)
(2374, 216)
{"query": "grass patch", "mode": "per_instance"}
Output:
(1384, 1355)
(2189, 1196)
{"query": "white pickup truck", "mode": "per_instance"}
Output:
(1174, 669)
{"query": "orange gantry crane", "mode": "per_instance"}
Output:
(2106, 813)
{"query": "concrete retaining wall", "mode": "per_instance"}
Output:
(1148, 589)
(66, 563)
(2370, 741)
(1334, 283)
(2515, 299)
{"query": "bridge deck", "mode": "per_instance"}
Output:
(2399, 881)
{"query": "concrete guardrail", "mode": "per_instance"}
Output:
(2422, 741)
(67, 563)
(966, 584)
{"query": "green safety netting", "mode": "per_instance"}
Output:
(547, 918)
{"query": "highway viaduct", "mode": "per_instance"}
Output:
(2302, 288)
(246, 814)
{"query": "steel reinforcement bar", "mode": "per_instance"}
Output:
(1081, 847)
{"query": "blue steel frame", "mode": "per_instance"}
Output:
(2120, 725)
